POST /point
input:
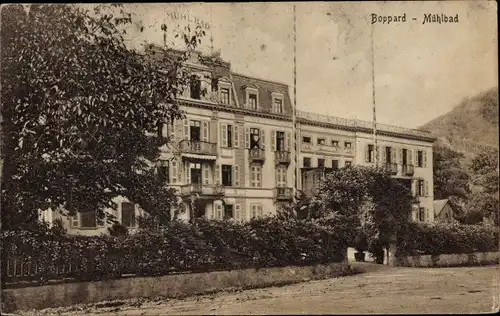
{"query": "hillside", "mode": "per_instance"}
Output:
(470, 126)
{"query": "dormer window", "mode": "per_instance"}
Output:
(252, 98)
(252, 101)
(277, 106)
(224, 96)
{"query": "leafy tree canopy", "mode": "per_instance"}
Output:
(79, 111)
(360, 200)
(450, 180)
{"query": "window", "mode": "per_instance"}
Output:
(421, 214)
(195, 87)
(388, 154)
(195, 171)
(224, 95)
(306, 140)
(280, 141)
(278, 105)
(347, 164)
(307, 162)
(254, 138)
(281, 177)
(227, 175)
(420, 188)
(252, 101)
(405, 156)
(347, 144)
(88, 219)
(218, 211)
(335, 164)
(321, 163)
(370, 154)
(256, 210)
(128, 214)
(228, 211)
(229, 136)
(321, 141)
(420, 158)
(335, 143)
(195, 130)
(163, 172)
(255, 176)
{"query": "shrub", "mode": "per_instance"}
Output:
(176, 247)
(448, 238)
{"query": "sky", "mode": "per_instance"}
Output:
(421, 70)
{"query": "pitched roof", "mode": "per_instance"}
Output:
(265, 87)
(439, 206)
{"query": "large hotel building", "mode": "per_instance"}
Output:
(233, 154)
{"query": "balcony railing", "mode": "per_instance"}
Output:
(198, 147)
(257, 154)
(283, 193)
(282, 157)
(408, 170)
(197, 188)
(392, 167)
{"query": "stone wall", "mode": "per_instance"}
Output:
(67, 294)
(448, 260)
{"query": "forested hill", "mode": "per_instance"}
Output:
(471, 126)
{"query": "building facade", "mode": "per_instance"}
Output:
(232, 156)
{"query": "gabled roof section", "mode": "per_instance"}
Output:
(439, 206)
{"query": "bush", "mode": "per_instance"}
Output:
(197, 247)
(448, 238)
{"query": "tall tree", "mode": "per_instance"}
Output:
(363, 200)
(485, 170)
(484, 203)
(450, 180)
(81, 111)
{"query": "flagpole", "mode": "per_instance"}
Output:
(294, 109)
(375, 147)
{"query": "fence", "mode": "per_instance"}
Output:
(204, 246)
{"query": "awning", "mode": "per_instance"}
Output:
(199, 157)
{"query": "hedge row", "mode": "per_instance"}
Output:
(178, 247)
(448, 238)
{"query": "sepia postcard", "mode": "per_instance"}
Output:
(249, 158)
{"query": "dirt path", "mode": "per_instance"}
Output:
(379, 290)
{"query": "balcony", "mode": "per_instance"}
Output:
(203, 190)
(257, 154)
(198, 147)
(282, 193)
(408, 170)
(282, 157)
(392, 168)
